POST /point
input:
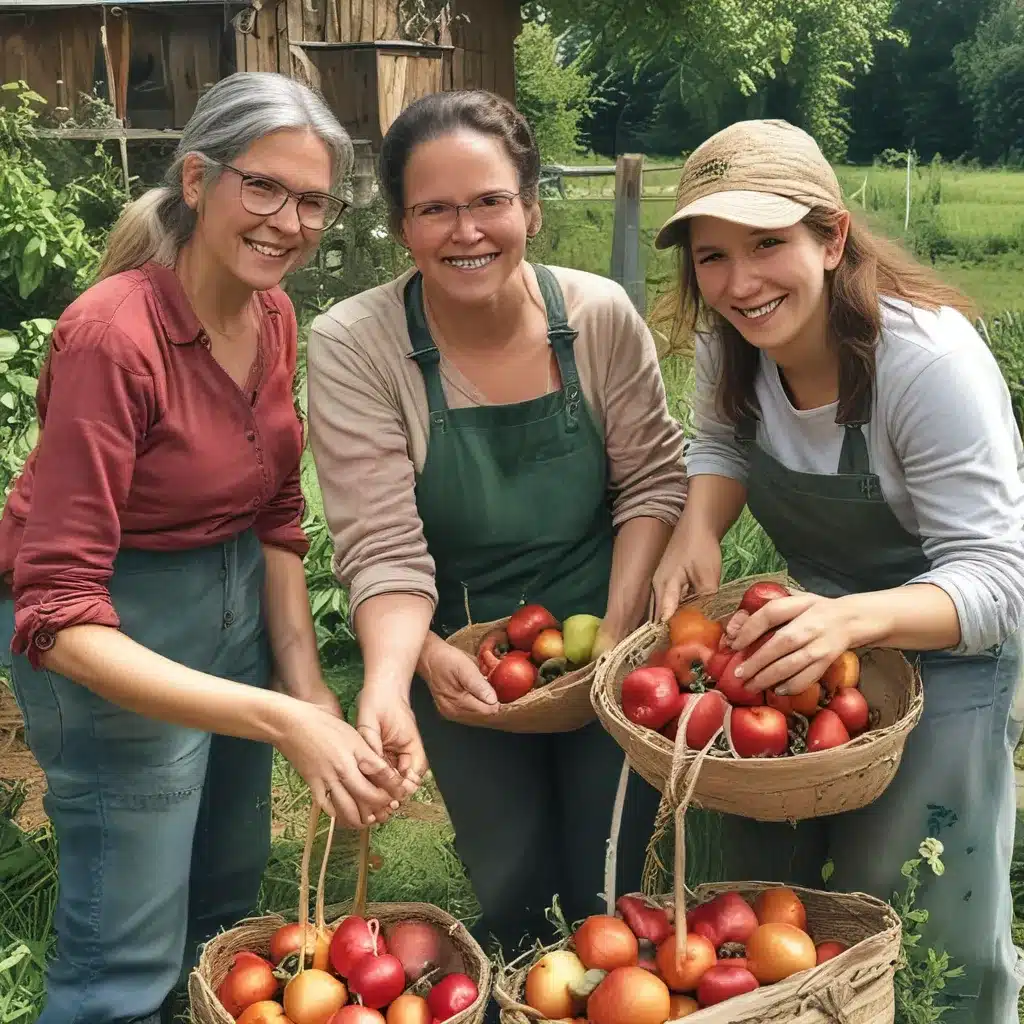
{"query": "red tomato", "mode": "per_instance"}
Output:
(735, 689)
(828, 950)
(645, 921)
(717, 663)
(726, 918)
(852, 708)
(651, 697)
(757, 595)
(526, 623)
(513, 677)
(451, 995)
(759, 732)
(250, 980)
(826, 731)
(683, 973)
(704, 722)
(723, 981)
(684, 659)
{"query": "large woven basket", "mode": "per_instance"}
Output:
(253, 934)
(561, 706)
(810, 785)
(855, 987)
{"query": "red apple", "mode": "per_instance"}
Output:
(723, 981)
(513, 676)
(759, 732)
(717, 663)
(734, 689)
(705, 721)
(826, 731)
(651, 697)
(757, 595)
(852, 708)
(526, 624)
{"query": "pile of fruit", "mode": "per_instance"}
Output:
(625, 969)
(534, 649)
(408, 974)
(700, 667)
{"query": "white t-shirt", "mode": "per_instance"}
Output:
(942, 440)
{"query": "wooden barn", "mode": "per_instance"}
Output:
(153, 59)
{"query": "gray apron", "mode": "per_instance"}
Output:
(956, 780)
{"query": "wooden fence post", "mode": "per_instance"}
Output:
(627, 266)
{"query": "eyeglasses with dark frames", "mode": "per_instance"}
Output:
(263, 196)
(444, 216)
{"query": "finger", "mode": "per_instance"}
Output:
(368, 783)
(412, 760)
(466, 701)
(344, 808)
(784, 668)
(805, 679)
(476, 686)
(669, 593)
(775, 613)
(321, 796)
(732, 627)
(373, 739)
(706, 578)
(780, 646)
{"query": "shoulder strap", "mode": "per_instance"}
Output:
(424, 351)
(561, 338)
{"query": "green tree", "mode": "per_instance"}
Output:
(552, 94)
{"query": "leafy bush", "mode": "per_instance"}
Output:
(21, 358)
(1004, 335)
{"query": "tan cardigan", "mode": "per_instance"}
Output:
(368, 424)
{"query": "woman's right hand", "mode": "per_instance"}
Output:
(456, 682)
(691, 564)
(347, 778)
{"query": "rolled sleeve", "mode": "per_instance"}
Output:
(98, 401)
(644, 441)
(956, 439)
(280, 520)
(359, 442)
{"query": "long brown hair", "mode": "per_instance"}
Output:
(871, 269)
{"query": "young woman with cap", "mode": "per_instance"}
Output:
(154, 545)
(497, 417)
(842, 395)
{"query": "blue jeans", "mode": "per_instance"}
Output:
(163, 832)
(955, 783)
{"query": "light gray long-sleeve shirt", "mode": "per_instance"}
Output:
(942, 440)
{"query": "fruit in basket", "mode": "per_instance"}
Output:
(266, 1011)
(726, 918)
(852, 708)
(723, 981)
(409, 1009)
(718, 662)
(629, 995)
(377, 979)
(705, 721)
(759, 732)
(691, 625)
(651, 697)
(286, 940)
(682, 971)
(513, 677)
(681, 1006)
(758, 594)
(313, 997)
(451, 995)
(548, 645)
(351, 941)
(777, 951)
(806, 703)
(657, 659)
(844, 671)
(826, 731)
(491, 649)
(526, 623)
(579, 633)
(734, 689)
(686, 660)
(249, 980)
(646, 922)
(604, 942)
(780, 905)
(827, 950)
(550, 982)
(356, 1014)
(417, 944)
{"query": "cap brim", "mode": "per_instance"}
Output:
(754, 209)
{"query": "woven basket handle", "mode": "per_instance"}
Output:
(319, 923)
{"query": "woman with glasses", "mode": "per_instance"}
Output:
(507, 426)
(158, 618)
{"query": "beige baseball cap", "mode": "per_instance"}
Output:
(766, 174)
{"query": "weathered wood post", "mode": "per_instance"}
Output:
(627, 266)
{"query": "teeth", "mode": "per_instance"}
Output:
(750, 314)
(266, 250)
(470, 264)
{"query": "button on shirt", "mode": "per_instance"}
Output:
(146, 442)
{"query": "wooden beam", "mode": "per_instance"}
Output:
(626, 268)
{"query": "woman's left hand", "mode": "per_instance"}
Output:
(387, 723)
(811, 632)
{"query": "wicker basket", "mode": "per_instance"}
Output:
(561, 706)
(810, 785)
(254, 935)
(855, 987)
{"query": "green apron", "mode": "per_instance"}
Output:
(515, 508)
(955, 781)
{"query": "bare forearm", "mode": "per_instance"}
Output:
(290, 624)
(918, 617)
(115, 667)
(713, 503)
(639, 545)
(391, 630)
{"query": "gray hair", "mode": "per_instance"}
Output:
(238, 111)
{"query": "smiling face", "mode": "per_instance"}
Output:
(258, 251)
(770, 285)
(472, 258)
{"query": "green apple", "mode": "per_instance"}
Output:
(578, 635)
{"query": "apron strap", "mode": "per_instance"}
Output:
(853, 458)
(561, 338)
(424, 351)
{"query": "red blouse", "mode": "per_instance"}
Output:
(146, 442)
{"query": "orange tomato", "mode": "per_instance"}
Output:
(776, 951)
(806, 703)
(684, 974)
(604, 942)
(780, 905)
(844, 671)
(629, 995)
(688, 625)
(681, 1006)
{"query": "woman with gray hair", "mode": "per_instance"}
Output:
(161, 643)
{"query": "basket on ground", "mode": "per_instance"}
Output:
(562, 705)
(254, 935)
(769, 789)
